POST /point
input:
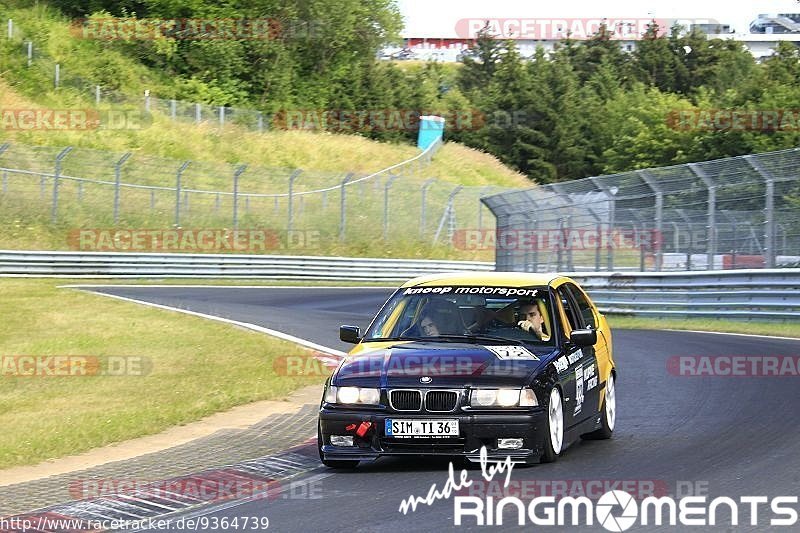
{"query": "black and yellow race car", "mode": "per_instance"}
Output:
(495, 364)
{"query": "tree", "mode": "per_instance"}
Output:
(480, 61)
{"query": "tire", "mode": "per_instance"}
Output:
(554, 437)
(340, 464)
(608, 413)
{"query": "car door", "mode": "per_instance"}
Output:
(591, 370)
(582, 363)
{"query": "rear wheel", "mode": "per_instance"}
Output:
(608, 414)
(342, 464)
(554, 438)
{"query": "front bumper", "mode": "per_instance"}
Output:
(476, 430)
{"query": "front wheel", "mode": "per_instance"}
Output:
(341, 464)
(554, 438)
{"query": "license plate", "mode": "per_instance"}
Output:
(421, 428)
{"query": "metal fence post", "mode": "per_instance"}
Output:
(711, 217)
(386, 188)
(152, 199)
(147, 100)
(222, 116)
(3, 148)
(567, 240)
(30, 53)
(448, 212)
(178, 176)
(295, 174)
(173, 110)
(236, 174)
(769, 210)
(536, 247)
(197, 115)
(480, 206)
(342, 205)
(653, 184)
(560, 244)
(260, 122)
(97, 95)
(425, 186)
(10, 29)
(597, 248)
(117, 180)
(57, 79)
(56, 175)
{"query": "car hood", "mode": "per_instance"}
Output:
(441, 364)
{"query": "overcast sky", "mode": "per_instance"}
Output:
(439, 17)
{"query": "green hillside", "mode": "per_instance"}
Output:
(159, 147)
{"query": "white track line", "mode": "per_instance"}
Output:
(739, 334)
(89, 286)
(279, 334)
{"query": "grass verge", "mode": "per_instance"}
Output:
(785, 329)
(192, 368)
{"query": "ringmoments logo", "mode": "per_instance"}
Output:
(605, 510)
(617, 511)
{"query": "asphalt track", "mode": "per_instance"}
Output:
(712, 436)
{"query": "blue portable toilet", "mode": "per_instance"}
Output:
(431, 129)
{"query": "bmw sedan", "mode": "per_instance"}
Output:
(478, 365)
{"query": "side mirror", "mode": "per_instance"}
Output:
(583, 337)
(351, 334)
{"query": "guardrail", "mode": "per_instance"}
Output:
(741, 294)
(134, 265)
(772, 294)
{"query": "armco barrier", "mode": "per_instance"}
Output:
(772, 294)
(131, 265)
(760, 294)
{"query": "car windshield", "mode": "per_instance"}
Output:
(482, 313)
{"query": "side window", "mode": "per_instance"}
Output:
(566, 303)
(584, 307)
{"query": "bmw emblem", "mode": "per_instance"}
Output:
(425, 379)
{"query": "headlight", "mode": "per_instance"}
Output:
(503, 398)
(353, 395)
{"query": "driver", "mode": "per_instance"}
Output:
(532, 320)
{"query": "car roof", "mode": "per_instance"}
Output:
(504, 279)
